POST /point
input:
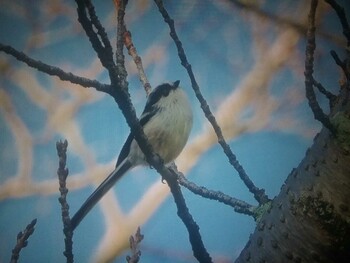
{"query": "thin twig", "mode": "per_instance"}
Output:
(134, 246)
(138, 61)
(309, 64)
(238, 205)
(122, 32)
(338, 61)
(62, 173)
(120, 59)
(259, 194)
(54, 71)
(342, 64)
(342, 18)
(101, 32)
(103, 50)
(346, 32)
(22, 241)
(199, 251)
(329, 95)
(345, 66)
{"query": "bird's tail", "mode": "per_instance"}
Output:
(99, 193)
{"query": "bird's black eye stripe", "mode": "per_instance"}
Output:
(160, 91)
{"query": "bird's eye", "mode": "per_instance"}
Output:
(166, 92)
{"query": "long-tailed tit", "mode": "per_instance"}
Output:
(166, 121)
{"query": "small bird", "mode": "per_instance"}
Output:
(167, 122)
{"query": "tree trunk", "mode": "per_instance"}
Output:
(309, 221)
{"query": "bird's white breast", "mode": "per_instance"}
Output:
(169, 129)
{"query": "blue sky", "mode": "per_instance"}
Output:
(250, 72)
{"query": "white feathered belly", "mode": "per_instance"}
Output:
(168, 131)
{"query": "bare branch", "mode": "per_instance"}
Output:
(259, 194)
(62, 173)
(238, 205)
(138, 61)
(342, 18)
(344, 65)
(101, 32)
(99, 40)
(341, 64)
(199, 251)
(134, 246)
(330, 96)
(120, 43)
(338, 61)
(124, 38)
(54, 71)
(22, 241)
(309, 64)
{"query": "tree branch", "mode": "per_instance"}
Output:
(342, 18)
(309, 60)
(120, 43)
(62, 173)
(338, 61)
(99, 40)
(238, 205)
(101, 32)
(138, 61)
(124, 38)
(22, 241)
(54, 71)
(259, 194)
(329, 95)
(134, 246)
(199, 251)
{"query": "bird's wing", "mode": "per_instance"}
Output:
(147, 114)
